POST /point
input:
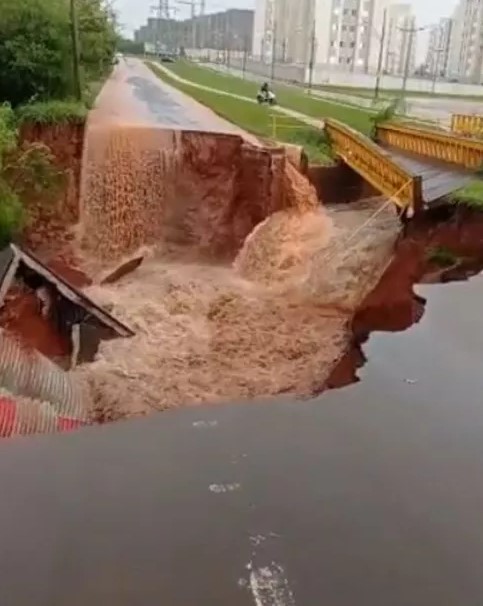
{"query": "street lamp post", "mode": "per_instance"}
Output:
(381, 55)
(312, 57)
(409, 51)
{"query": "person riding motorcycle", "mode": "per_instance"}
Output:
(265, 95)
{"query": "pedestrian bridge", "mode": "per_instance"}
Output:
(415, 167)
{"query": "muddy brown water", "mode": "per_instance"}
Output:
(370, 494)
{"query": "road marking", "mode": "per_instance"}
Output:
(269, 586)
(222, 488)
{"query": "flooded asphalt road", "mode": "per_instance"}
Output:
(369, 495)
(135, 95)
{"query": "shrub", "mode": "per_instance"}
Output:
(52, 112)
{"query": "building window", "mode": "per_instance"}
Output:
(341, 43)
(354, 12)
(348, 60)
(353, 44)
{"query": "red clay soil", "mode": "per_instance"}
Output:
(21, 316)
(49, 221)
(391, 305)
(202, 191)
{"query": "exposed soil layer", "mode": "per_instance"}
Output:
(50, 222)
(203, 192)
(393, 306)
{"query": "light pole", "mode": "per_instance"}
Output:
(75, 50)
(312, 57)
(436, 68)
(409, 51)
(381, 55)
(274, 50)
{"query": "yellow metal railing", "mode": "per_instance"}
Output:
(469, 125)
(279, 121)
(375, 165)
(450, 148)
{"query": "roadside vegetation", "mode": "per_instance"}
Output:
(288, 96)
(254, 118)
(471, 195)
(24, 168)
(37, 85)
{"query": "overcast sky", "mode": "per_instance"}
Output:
(133, 13)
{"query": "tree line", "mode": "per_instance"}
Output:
(36, 53)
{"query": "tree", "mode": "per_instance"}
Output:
(36, 47)
(129, 47)
(97, 32)
(34, 50)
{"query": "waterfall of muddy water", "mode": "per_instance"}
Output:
(210, 324)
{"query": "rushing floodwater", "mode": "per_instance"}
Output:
(370, 495)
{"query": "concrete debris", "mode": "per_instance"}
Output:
(73, 315)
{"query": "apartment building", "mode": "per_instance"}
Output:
(227, 30)
(343, 34)
(282, 29)
(437, 56)
(465, 60)
(400, 40)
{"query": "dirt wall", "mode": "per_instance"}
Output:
(339, 184)
(49, 221)
(200, 191)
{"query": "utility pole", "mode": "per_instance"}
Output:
(162, 12)
(381, 55)
(192, 5)
(245, 55)
(436, 68)
(75, 50)
(274, 50)
(409, 51)
(312, 56)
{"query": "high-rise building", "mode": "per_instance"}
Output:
(465, 62)
(401, 40)
(344, 34)
(282, 29)
(438, 48)
(227, 30)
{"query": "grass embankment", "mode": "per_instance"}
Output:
(249, 116)
(52, 112)
(28, 167)
(471, 195)
(288, 96)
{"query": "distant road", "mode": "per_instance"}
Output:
(133, 94)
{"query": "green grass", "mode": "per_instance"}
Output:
(288, 96)
(52, 112)
(471, 195)
(441, 256)
(254, 118)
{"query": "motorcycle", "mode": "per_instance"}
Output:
(266, 97)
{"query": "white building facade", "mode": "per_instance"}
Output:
(437, 56)
(341, 34)
(465, 61)
(400, 45)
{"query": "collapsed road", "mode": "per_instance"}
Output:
(368, 495)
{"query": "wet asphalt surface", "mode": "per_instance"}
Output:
(162, 104)
(369, 495)
(134, 94)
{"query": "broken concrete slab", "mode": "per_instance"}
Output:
(123, 270)
(14, 261)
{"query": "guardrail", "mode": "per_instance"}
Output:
(450, 148)
(468, 125)
(375, 165)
